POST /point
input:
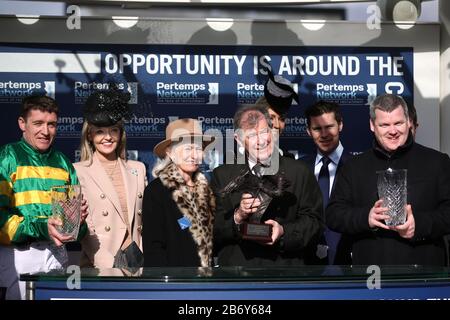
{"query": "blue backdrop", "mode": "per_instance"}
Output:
(204, 82)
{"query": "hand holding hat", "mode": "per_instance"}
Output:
(279, 93)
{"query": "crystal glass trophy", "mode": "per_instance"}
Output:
(392, 189)
(66, 206)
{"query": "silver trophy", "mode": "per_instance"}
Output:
(392, 189)
(254, 229)
(66, 207)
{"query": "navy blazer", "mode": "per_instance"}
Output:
(344, 246)
(311, 162)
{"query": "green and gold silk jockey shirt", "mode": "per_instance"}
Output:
(26, 179)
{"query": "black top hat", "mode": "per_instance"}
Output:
(105, 108)
(279, 93)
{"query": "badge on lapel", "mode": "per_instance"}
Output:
(134, 172)
(184, 223)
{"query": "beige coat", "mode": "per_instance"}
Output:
(107, 227)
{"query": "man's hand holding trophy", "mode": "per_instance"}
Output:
(258, 190)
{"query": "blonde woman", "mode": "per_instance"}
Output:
(113, 185)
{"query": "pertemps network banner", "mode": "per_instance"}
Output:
(167, 82)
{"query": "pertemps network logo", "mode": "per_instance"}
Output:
(349, 94)
(249, 93)
(82, 90)
(15, 91)
(187, 93)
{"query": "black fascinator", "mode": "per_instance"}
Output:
(105, 108)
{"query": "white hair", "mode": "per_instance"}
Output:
(160, 165)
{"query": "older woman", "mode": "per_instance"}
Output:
(112, 185)
(178, 205)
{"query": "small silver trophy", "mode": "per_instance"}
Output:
(392, 188)
(66, 207)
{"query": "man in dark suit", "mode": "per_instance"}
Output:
(324, 127)
(295, 215)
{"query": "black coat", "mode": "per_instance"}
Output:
(299, 211)
(428, 192)
(167, 241)
(287, 154)
(164, 242)
(343, 247)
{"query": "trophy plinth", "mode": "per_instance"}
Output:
(256, 231)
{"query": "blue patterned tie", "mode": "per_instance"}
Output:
(332, 238)
(324, 180)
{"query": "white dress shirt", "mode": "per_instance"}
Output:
(335, 156)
